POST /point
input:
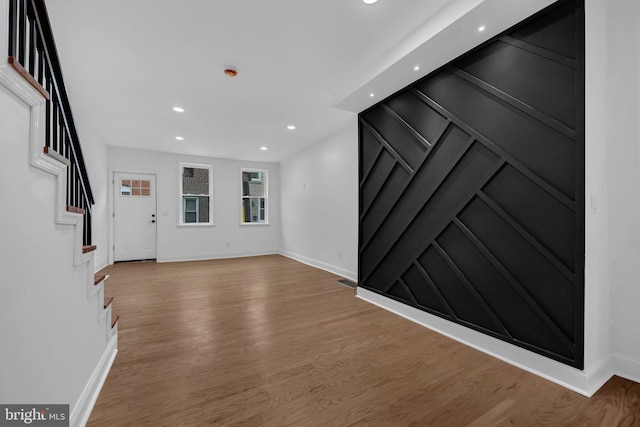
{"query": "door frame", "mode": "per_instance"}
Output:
(111, 205)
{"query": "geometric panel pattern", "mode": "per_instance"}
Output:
(472, 188)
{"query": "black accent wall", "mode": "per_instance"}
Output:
(472, 188)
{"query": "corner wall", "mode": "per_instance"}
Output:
(320, 204)
(622, 114)
(597, 269)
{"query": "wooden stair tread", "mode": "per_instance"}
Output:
(107, 302)
(57, 156)
(114, 321)
(89, 248)
(97, 278)
(16, 65)
(79, 211)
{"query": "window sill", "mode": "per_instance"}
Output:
(254, 224)
(196, 225)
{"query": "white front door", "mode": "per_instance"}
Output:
(134, 216)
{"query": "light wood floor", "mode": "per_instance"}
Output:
(267, 341)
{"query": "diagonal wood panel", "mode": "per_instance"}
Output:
(471, 188)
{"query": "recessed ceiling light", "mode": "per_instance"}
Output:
(178, 109)
(416, 68)
(291, 127)
(180, 138)
(371, 94)
(481, 28)
(369, 1)
(263, 148)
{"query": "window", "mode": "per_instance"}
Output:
(196, 194)
(254, 206)
(135, 187)
(191, 209)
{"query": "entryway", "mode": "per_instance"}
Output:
(134, 206)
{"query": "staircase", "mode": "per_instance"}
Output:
(77, 361)
(54, 142)
(107, 312)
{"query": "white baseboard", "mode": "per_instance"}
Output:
(213, 256)
(583, 382)
(351, 275)
(82, 410)
(626, 366)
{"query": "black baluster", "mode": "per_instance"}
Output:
(60, 132)
(78, 191)
(33, 40)
(13, 18)
(49, 113)
(54, 126)
(22, 31)
(87, 221)
(40, 57)
(69, 180)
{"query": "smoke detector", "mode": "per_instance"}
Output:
(231, 72)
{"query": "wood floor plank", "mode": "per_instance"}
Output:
(267, 341)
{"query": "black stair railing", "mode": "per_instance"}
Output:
(32, 50)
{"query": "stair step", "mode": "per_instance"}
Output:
(76, 210)
(97, 278)
(114, 321)
(89, 248)
(57, 156)
(16, 65)
(107, 302)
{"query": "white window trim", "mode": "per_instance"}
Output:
(266, 197)
(180, 197)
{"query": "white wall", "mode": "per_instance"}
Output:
(52, 339)
(94, 151)
(179, 243)
(320, 204)
(623, 160)
(597, 360)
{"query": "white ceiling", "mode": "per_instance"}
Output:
(127, 63)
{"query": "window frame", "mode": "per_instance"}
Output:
(265, 196)
(185, 199)
(132, 188)
(182, 195)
